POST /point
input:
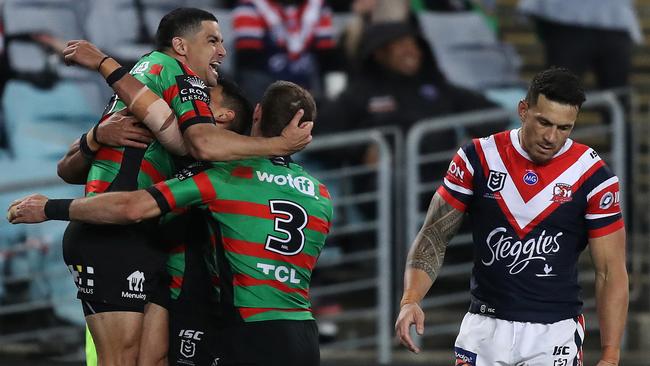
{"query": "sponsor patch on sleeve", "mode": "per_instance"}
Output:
(191, 88)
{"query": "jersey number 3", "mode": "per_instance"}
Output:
(292, 226)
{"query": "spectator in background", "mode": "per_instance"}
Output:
(283, 39)
(45, 78)
(584, 35)
(399, 83)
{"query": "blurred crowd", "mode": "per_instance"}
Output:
(370, 63)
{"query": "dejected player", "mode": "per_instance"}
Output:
(536, 199)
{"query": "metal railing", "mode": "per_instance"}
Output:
(381, 312)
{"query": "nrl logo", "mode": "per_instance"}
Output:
(496, 180)
(196, 82)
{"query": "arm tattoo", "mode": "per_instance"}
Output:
(440, 225)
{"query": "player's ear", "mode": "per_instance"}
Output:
(257, 114)
(522, 109)
(178, 44)
(225, 115)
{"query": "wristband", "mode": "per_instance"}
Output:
(116, 75)
(58, 209)
(86, 151)
(102, 61)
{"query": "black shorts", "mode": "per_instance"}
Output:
(192, 333)
(194, 315)
(270, 343)
(113, 264)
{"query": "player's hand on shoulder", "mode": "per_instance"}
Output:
(27, 210)
(121, 129)
(83, 53)
(409, 314)
(296, 135)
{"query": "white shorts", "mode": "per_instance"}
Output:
(486, 341)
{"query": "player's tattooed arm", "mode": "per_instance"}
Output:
(423, 264)
(440, 225)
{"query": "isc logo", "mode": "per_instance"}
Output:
(560, 350)
(190, 334)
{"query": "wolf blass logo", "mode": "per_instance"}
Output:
(191, 88)
(520, 254)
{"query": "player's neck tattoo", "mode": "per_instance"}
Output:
(440, 225)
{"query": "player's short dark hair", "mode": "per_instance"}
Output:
(557, 84)
(280, 102)
(235, 99)
(180, 22)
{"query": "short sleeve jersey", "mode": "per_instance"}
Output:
(120, 169)
(271, 219)
(530, 223)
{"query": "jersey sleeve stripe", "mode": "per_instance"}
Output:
(257, 250)
(455, 203)
(463, 156)
(206, 189)
(323, 191)
(600, 216)
(161, 199)
(457, 188)
(176, 282)
(606, 230)
(602, 186)
(151, 171)
(110, 154)
(193, 120)
(97, 186)
(170, 93)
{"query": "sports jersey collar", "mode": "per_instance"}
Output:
(281, 160)
(514, 138)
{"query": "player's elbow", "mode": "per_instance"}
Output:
(64, 172)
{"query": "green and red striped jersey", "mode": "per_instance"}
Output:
(125, 169)
(271, 219)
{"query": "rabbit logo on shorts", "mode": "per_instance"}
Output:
(464, 357)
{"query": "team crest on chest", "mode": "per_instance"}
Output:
(496, 180)
(561, 193)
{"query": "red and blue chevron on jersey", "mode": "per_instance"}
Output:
(530, 223)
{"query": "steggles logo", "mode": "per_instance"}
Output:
(519, 253)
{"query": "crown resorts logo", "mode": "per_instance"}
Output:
(195, 82)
